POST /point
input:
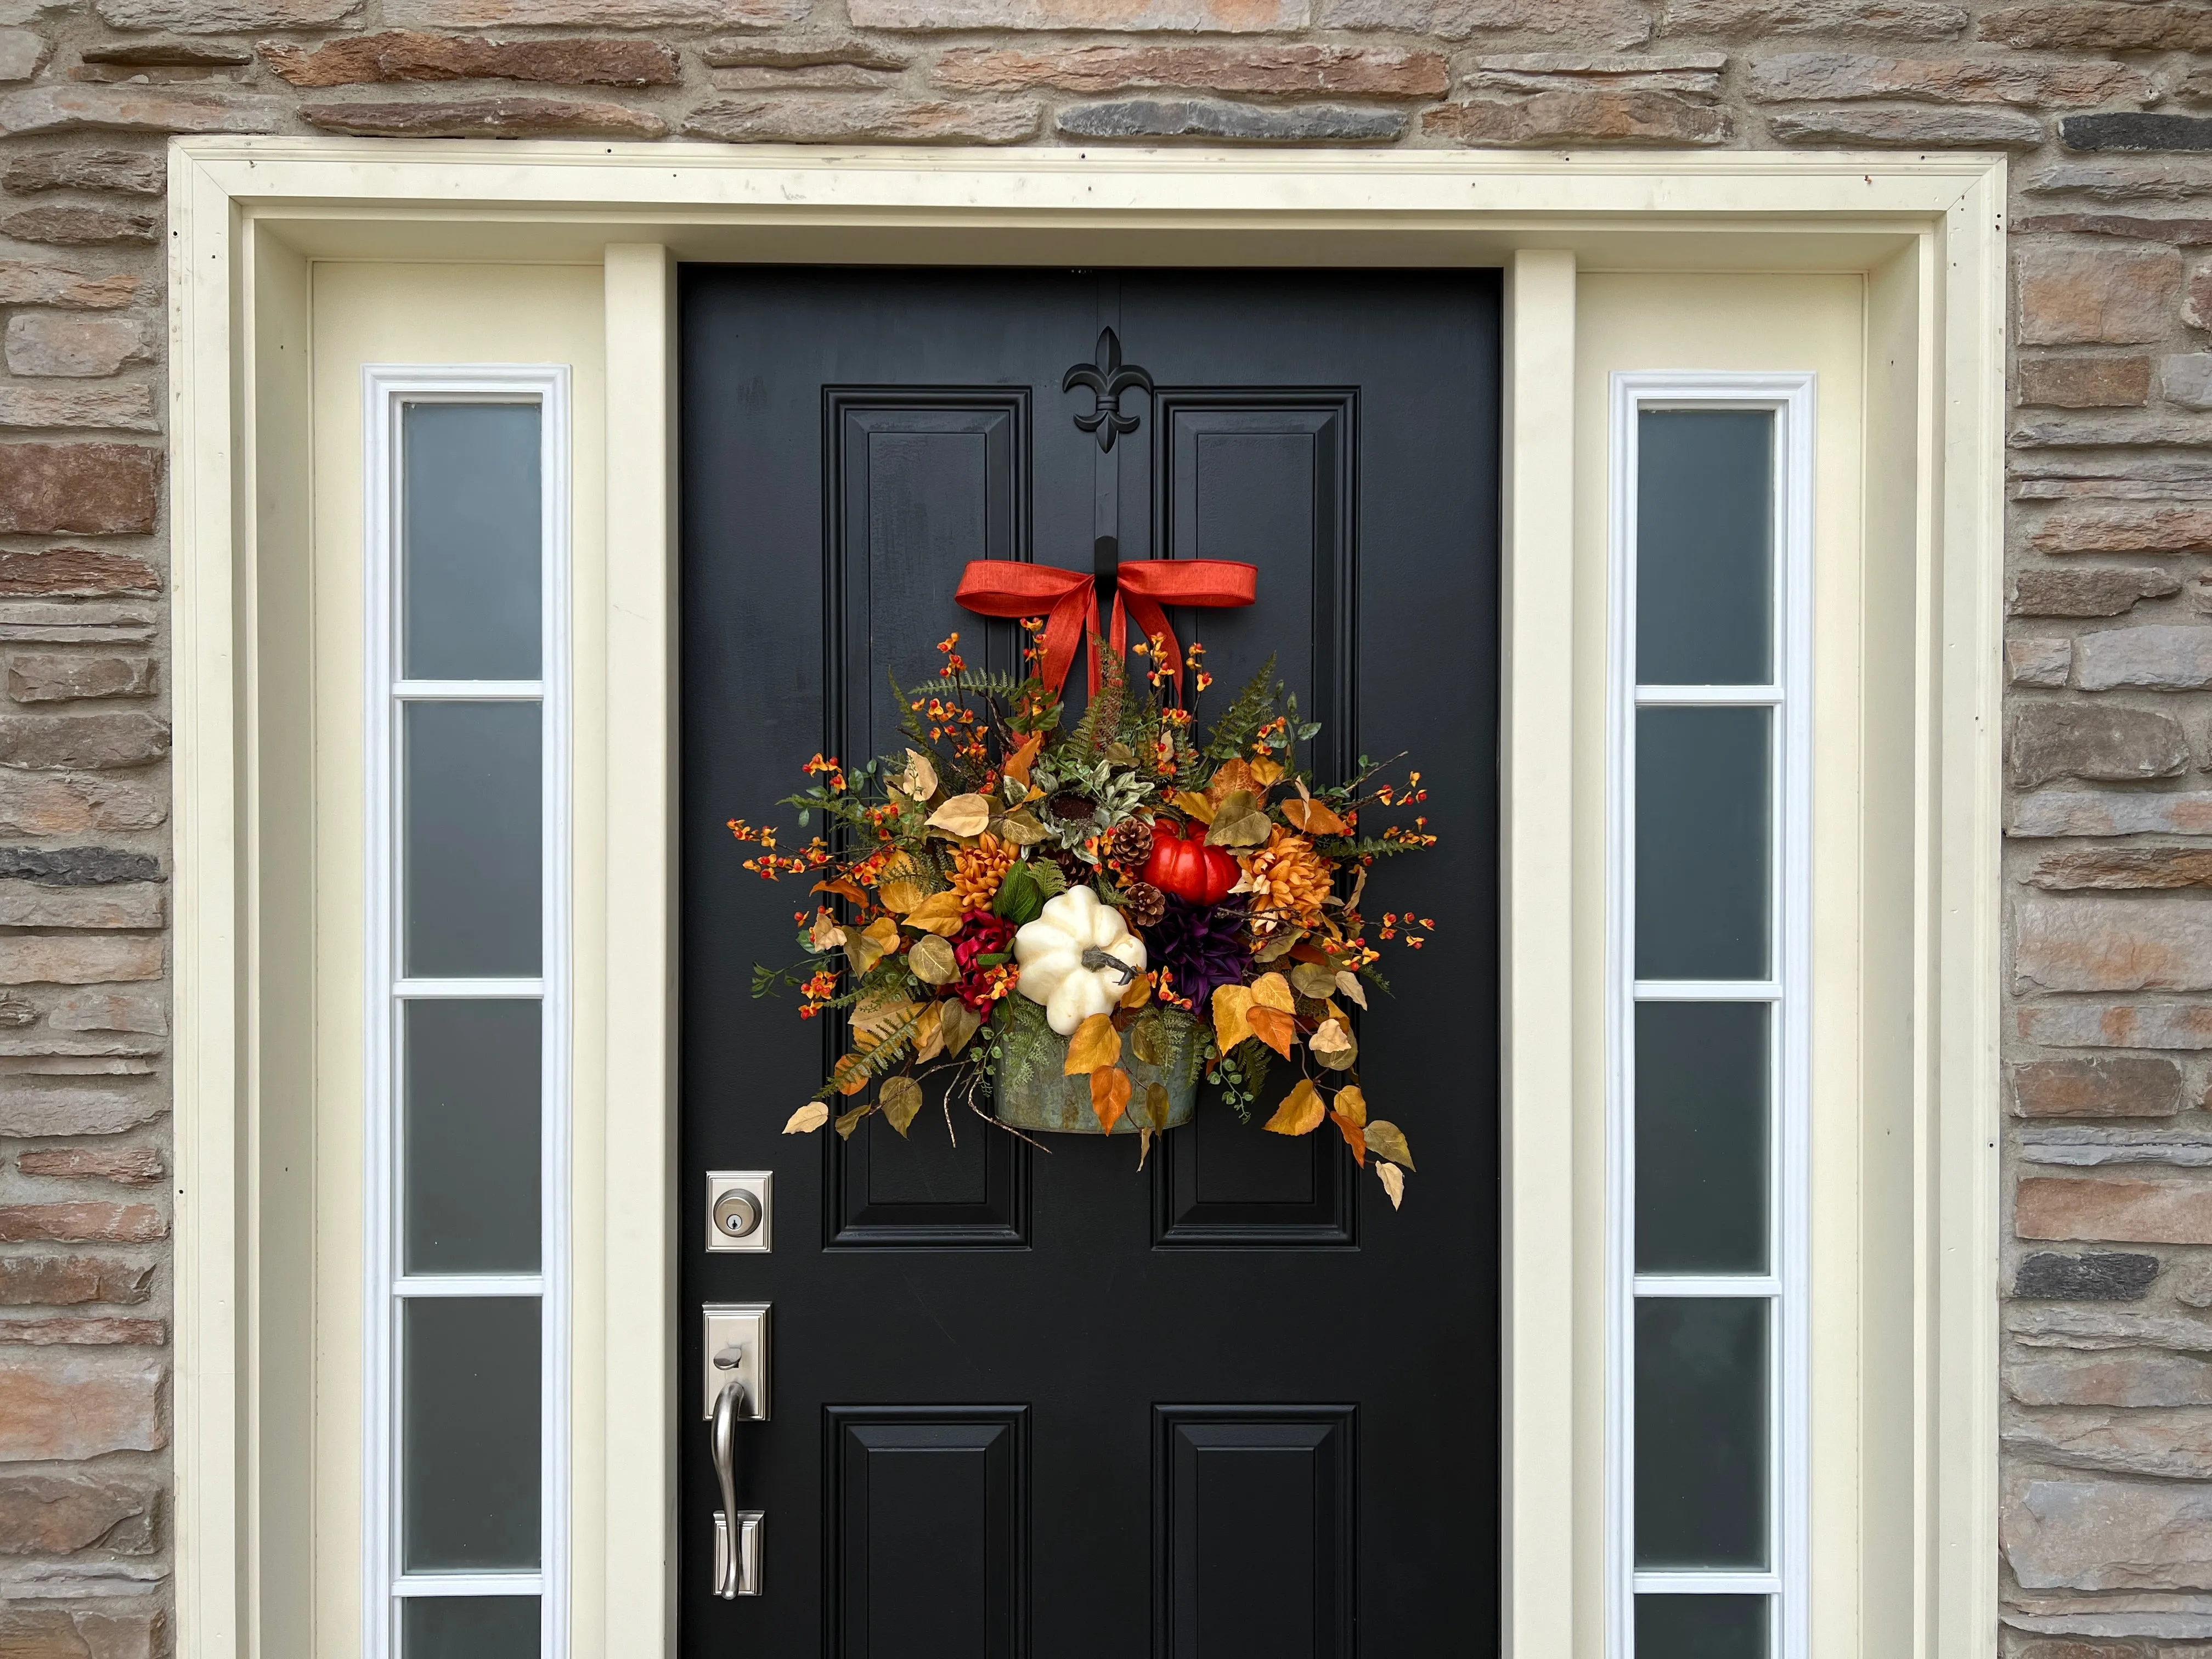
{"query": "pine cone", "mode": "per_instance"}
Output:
(1130, 845)
(1143, 903)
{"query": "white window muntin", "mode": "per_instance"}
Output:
(388, 391)
(1785, 1286)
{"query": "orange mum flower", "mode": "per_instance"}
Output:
(1287, 880)
(978, 870)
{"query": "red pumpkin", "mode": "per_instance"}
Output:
(1184, 865)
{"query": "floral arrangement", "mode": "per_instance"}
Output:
(1089, 920)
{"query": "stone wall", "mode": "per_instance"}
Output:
(2108, 109)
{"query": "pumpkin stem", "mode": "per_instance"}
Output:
(1098, 960)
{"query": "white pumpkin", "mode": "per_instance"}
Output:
(1077, 958)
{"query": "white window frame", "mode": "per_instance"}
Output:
(387, 390)
(1791, 399)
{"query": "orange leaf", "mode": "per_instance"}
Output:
(1354, 1136)
(1301, 1112)
(1095, 1044)
(1109, 1094)
(1277, 1030)
(1018, 763)
(1313, 818)
(1232, 1003)
(843, 889)
(851, 1076)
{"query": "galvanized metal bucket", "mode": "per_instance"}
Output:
(1034, 1094)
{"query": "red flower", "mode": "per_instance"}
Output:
(982, 982)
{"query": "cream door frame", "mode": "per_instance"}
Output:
(247, 215)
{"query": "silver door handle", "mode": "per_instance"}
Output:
(737, 1558)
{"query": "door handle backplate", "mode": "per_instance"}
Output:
(734, 1349)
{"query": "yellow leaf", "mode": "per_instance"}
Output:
(1109, 1093)
(932, 961)
(1266, 773)
(901, 896)
(1386, 1140)
(1351, 1104)
(851, 1121)
(1138, 994)
(960, 1022)
(929, 1035)
(919, 779)
(1301, 1112)
(1353, 1137)
(964, 816)
(899, 1100)
(827, 935)
(1232, 1003)
(1096, 1043)
(1144, 1140)
(1238, 822)
(864, 949)
(1018, 763)
(1274, 991)
(939, 913)
(1348, 982)
(1313, 818)
(807, 1119)
(1277, 1030)
(1394, 1181)
(1197, 805)
(1156, 1110)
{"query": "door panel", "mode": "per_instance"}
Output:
(976, 1344)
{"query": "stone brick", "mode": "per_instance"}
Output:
(2124, 868)
(131, 1166)
(2112, 945)
(1233, 123)
(2134, 130)
(82, 1223)
(1915, 127)
(74, 573)
(60, 343)
(2133, 1379)
(413, 55)
(54, 1633)
(2088, 592)
(2119, 180)
(1374, 71)
(805, 77)
(2160, 658)
(1581, 115)
(21, 52)
(1211, 16)
(68, 1407)
(2116, 1025)
(61, 1514)
(2058, 740)
(27, 960)
(2038, 662)
(56, 108)
(225, 16)
(829, 120)
(61, 679)
(31, 805)
(2112, 529)
(2082, 431)
(2196, 305)
(132, 54)
(26, 283)
(487, 118)
(77, 866)
(2106, 1276)
(50, 743)
(805, 52)
(588, 14)
(69, 1281)
(2186, 378)
(2085, 382)
(96, 1332)
(2076, 1650)
(1750, 20)
(2094, 1328)
(2113, 296)
(80, 226)
(123, 170)
(2110, 1208)
(113, 408)
(85, 488)
(33, 622)
(2177, 232)
(1602, 24)
(2174, 1445)
(2101, 28)
(2110, 1534)
(1823, 76)
(25, 905)
(1695, 72)
(2113, 1087)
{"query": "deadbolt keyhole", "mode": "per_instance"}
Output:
(736, 1213)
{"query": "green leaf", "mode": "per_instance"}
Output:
(899, 1100)
(1019, 899)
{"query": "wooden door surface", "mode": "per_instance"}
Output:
(1039, 1405)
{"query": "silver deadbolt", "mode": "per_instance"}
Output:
(740, 1214)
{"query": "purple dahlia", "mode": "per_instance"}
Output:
(1201, 945)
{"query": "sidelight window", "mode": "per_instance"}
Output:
(467, 1024)
(1710, 885)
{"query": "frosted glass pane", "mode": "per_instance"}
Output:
(471, 542)
(1701, 1137)
(1701, 1416)
(1701, 1626)
(1703, 858)
(1704, 552)
(468, 1627)
(471, 846)
(468, 1432)
(471, 1189)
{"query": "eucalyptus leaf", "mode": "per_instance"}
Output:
(960, 1022)
(933, 961)
(1313, 979)
(1238, 822)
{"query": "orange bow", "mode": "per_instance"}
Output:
(1069, 599)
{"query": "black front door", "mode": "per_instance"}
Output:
(1039, 1405)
